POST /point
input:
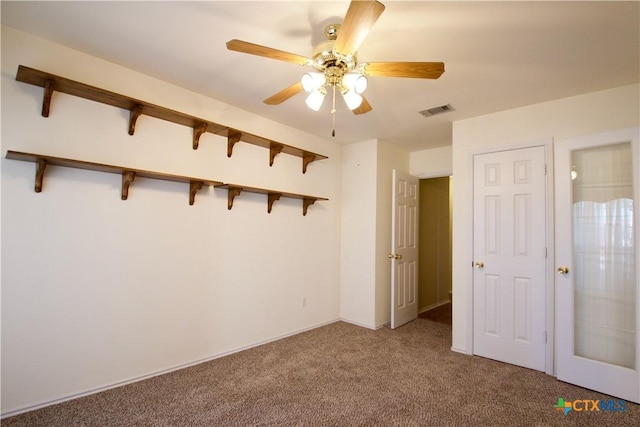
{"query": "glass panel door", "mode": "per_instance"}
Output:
(596, 249)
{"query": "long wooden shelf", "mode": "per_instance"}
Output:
(234, 190)
(136, 107)
(128, 174)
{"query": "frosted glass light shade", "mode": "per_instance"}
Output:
(312, 81)
(355, 82)
(352, 99)
(314, 100)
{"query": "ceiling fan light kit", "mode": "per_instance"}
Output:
(350, 85)
(336, 62)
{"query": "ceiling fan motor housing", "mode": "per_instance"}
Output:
(325, 57)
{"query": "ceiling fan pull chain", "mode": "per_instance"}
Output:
(333, 113)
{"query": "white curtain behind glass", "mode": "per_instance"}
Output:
(604, 265)
(604, 255)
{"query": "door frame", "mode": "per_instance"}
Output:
(547, 143)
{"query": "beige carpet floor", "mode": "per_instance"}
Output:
(340, 375)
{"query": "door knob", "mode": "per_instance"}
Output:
(395, 256)
(479, 264)
(563, 270)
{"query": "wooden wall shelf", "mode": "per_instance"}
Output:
(136, 108)
(234, 190)
(128, 174)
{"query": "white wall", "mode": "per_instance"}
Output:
(98, 291)
(432, 163)
(366, 230)
(358, 236)
(580, 115)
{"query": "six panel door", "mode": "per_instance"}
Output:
(510, 256)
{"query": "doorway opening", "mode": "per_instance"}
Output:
(434, 250)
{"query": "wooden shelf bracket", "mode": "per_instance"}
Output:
(41, 165)
(197, 133)
(233, 137)
(49, 86)
(306, 202)
(194, 187)
(274, 150)
(127, 179)
(272, 197)
(232, 192)
(134, 113)
(306, 159)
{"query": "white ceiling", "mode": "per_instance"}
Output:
(497, 55)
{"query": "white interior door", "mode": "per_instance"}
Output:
(404, 249)
(596, 187)
(509, 249)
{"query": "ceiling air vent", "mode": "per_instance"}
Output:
(437, 110)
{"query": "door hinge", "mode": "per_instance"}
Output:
(545, 169)
(545, 337)
(545, 252)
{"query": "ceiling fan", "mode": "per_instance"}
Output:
(336, 64)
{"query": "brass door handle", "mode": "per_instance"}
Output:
(395, 256)
(479, 264)
(563, 270)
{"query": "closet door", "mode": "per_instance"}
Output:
(509, 241)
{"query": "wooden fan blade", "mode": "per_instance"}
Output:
(357, 23)
(284, 94)
(364, 107)
(418, 70)
(267, 52)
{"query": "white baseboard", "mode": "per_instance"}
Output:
(457, 350)
(362, 325)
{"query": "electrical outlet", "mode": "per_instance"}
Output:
(304, 302)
